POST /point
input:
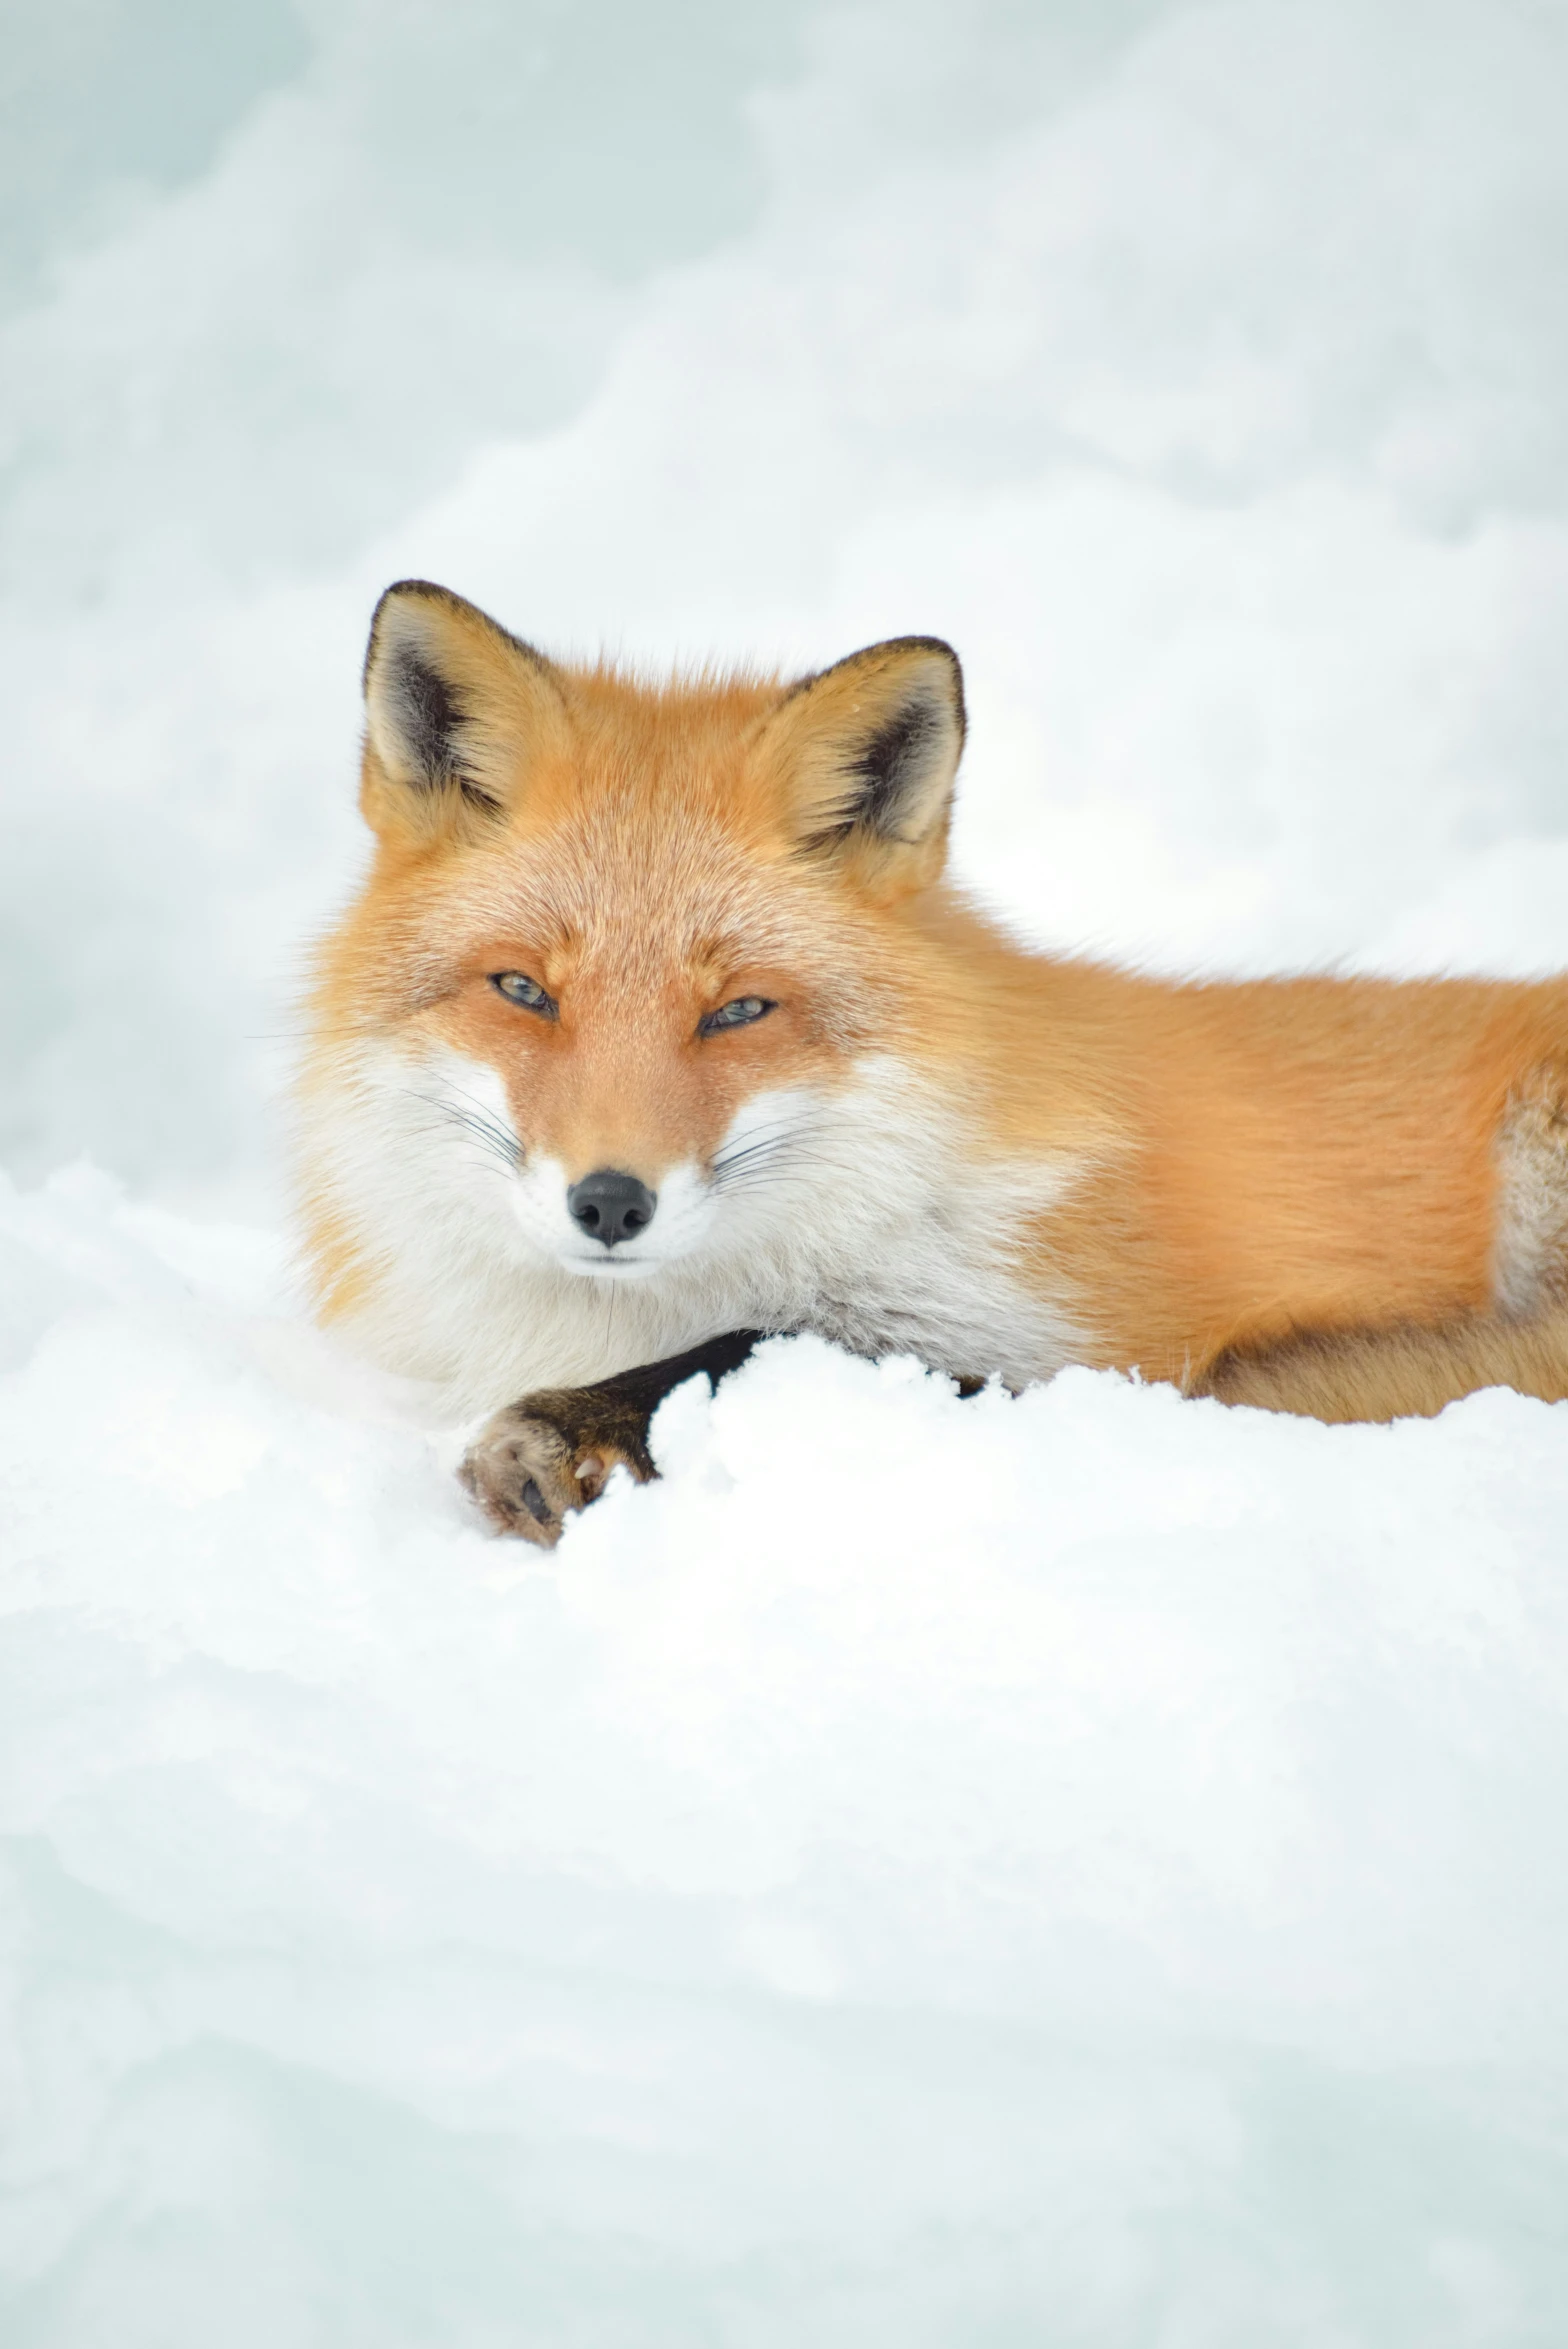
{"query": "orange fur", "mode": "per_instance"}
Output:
(1239, 1163)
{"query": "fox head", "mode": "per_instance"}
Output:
(621, 943)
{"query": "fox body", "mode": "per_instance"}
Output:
(657, 1020)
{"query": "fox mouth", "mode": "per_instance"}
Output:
(611, 1265)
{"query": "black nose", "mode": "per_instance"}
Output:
(610, 1206)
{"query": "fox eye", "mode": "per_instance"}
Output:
(517, 987)
(738, 1014)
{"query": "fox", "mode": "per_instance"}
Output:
(659, 1026)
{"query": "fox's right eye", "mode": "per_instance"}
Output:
(517, 987)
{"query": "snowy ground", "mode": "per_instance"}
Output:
(1086, 1869)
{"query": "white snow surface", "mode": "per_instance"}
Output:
(1085, 1870)
(1081, 1868)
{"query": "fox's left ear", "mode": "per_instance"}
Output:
(865, 755)
(458, 712)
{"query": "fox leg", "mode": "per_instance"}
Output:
(1408, 1373)
(553, 1451)
(1413, 1371)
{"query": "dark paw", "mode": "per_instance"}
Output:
(538, 1459)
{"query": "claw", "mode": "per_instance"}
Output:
(534, 1502)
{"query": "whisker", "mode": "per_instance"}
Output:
(740, 1156)
(782, 1140)
(475, 1104)
(781, 1128)
(475, 1120)
(784, 1151)
(494, 1138)
(493, 1132)
(766, 1178)
(483, 1120)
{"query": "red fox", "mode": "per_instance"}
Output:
(657, 1026)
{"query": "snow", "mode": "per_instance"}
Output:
(1084, 1868)
(923, 1866)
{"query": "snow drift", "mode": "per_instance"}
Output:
(1083, 1867)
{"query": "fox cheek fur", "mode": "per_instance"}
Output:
(657, 1018)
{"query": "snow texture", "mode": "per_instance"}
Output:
(1081, 1869)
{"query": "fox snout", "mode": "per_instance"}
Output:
(609, 1206)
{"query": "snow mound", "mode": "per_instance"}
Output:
(1085, 1868)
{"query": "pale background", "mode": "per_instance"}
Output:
(1199, 370)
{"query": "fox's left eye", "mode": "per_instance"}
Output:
(517, 987)
(738, 1014)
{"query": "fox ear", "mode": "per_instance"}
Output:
(456, 709)
(866, 754)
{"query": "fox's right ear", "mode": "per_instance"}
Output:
(864, 756)
(456, 711)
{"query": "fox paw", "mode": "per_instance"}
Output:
(531, 1465)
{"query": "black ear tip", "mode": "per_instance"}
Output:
(423, 587)
(930, 644)
(401, 591)
(427, 591)
(888, 648)
(939, 646)
(396, 593)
